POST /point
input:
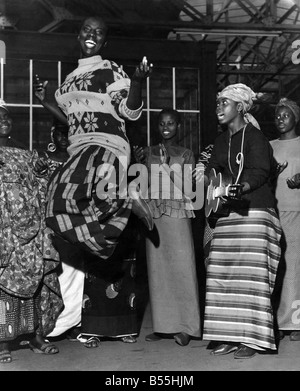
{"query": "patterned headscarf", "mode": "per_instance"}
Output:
(3, 105)
(242, 94)
(295, 109)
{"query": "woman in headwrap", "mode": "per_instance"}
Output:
(286, 149)
(245, 248)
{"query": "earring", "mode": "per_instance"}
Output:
(51, 147)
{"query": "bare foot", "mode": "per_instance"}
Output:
(40, 345)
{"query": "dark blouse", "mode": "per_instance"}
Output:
(258, 164)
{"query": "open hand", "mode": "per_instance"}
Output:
(39, 88)
(143, 70)
(164, 156)
(139, 155)
(294, 182)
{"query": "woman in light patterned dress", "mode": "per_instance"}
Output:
(173, 283)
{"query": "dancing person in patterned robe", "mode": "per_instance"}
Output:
(88, 201)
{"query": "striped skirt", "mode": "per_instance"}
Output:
(84, 204)
(241, 271)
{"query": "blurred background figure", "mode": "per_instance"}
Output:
(286, 151)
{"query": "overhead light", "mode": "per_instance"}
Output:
(227, 32)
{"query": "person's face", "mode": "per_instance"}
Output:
(92, 36)
(5, 123)
(167, 126)
(227, 110)
(60, 137)
(284, 120)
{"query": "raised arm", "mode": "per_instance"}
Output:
(40, 91)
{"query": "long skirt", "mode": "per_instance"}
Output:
(80, 211)
(288, 312)
(173, 284)
(241, 271)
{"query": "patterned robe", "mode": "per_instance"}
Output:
(29, 289)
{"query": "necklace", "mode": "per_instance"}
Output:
(239, 157)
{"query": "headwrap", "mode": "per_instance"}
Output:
(243, 94)
(3, 105)
(295, 109)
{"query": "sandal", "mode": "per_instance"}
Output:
(129, 339)
(5, 357)
(45, 348)
(93, 342)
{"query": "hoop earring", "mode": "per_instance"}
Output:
(51, 147)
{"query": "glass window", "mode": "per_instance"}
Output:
(167, 87)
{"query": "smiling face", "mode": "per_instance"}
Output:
(227, 110)
(5, 123)
(92, 36)
(285, 122)
(168, 126)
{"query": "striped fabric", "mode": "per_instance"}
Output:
(241, 272)
(74, 210)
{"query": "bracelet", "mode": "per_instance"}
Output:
(128, 113)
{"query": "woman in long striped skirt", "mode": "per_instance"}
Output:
(245, 248)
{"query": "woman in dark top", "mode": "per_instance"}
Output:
(245, 248)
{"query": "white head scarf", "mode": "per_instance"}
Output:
(242, 94)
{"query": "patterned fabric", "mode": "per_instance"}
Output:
(109, 304)
(93, 97)
(165, 198)
(17, 316)
(295, 109)
(81, 214)
(28, 261)
(239, 288)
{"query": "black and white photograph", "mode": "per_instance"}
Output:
(149, 189)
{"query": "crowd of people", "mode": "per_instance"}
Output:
(69, 225)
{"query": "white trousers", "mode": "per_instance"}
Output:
(71, 284)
